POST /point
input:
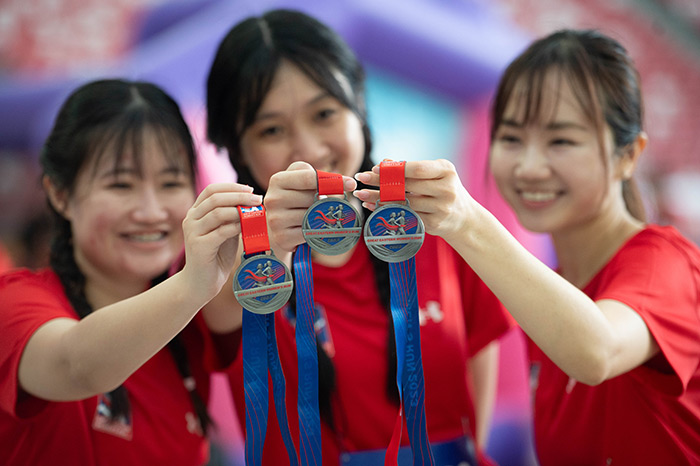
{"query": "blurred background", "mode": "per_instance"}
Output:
(432, 67)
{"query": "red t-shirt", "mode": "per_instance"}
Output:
(651, 414)
(38, 432)
(459, 316)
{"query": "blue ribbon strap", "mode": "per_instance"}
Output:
(410, 379)
(307, 402)
(255, 385)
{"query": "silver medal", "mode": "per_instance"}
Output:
(394, 232)
(332, 226)
(262, 284)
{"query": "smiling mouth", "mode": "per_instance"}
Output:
(146, 237)
(537, 196)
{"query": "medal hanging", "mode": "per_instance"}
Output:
(394, 233)
(262, 284)
(331, 225)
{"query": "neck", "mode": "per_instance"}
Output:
(102, 290)
(583, 251)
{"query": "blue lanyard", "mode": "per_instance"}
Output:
(260, 352)
(409, 374)
(307, 402)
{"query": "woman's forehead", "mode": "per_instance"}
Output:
(544, 100)
(132, 150)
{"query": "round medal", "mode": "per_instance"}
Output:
(394, 232)
(262, 284)
(332, 226)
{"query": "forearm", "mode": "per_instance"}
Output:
(483, 368)
(562, 320)
(69, 360)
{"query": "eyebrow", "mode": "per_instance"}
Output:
(558, 125)
(552, 126)
(170, 170)
(321, 96)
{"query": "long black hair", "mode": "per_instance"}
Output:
(241, 75)
(110, 117)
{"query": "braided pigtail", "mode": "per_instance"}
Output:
(179, 353)
(63, 263)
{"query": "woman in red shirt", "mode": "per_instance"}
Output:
(616, 332)
(86, 378)
(286, 96)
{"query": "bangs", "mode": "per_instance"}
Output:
(123, 142)
(262, 70)
(529, 81)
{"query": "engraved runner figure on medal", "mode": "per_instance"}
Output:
(262, 284)
(331, 225)
(394, 232)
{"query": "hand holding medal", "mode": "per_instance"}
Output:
(262, 283)
(394, 232)
(331, 225)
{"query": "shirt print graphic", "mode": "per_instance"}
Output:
(120, 427)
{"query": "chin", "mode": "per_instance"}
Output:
(534, 225)
(150, 269)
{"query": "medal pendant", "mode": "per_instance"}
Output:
(332, 226)
(394, 232)
(262, 284)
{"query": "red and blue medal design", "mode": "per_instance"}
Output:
(331, 225)
(262, 284)
(394, 232)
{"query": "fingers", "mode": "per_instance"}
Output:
(301, 176)
(429, 169)
(223, 188)
(217, 206)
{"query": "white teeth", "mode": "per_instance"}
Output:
(147, 237)
(536, 196)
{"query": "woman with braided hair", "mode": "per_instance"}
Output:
(86, 376)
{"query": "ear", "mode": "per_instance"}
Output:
(630, 156)
(57, 197)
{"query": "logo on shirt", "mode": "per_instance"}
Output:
(432, 311)
(119, 427)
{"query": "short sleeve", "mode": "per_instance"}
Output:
(657, 275)
(29, 300)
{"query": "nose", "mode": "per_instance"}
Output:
(308, 146)
(532, 163)
(149, 207)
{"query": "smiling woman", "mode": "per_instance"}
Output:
(127, 208)
(82, 343)
(614, 333)
(286, 97)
